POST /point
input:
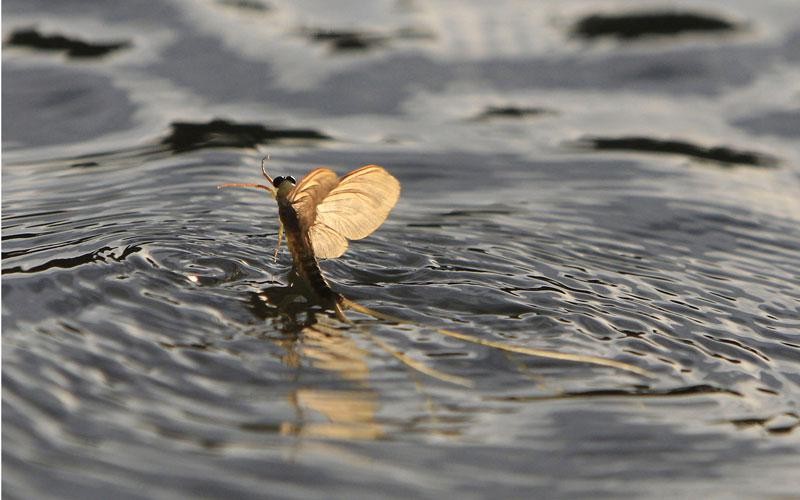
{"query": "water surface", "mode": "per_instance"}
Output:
(630, 197)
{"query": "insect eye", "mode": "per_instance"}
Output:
(277, 181)
(291, 179)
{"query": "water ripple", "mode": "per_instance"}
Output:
(150, 338)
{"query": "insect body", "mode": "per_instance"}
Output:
(302, 250)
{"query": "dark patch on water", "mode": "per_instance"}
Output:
(722, 155)
(784, 423)
(184, 137)
(188, 136)
(73, 47)
(490, 211)
(645, 24)
(358, 40)
(101, 255)
(346, 40)
(637, 392)
(518, 112)
(247, 5)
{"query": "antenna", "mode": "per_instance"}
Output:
(264, 170)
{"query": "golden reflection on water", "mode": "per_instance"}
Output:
(348, 414)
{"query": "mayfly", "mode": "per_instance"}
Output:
(323, 211)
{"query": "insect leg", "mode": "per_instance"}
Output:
(278, 246)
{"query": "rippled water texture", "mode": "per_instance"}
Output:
(586, 177)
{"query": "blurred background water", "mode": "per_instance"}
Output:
(610, 178)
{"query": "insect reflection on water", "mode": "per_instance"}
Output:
(320, 214)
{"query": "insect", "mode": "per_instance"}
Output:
(322, 212)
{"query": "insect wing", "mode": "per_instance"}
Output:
(310, 192)
(334, 210)
(360, 203)
(327, 243)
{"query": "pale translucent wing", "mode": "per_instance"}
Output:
(309, 193)
(334, 210)
(327, 243)
(359, 204)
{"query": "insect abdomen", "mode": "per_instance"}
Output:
(305, 262)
